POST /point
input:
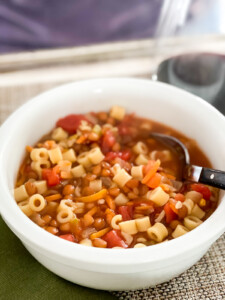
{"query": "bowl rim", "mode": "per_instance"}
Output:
(93, 257)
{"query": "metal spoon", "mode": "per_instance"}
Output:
(190, 172)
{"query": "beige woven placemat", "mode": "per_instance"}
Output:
(205, 280)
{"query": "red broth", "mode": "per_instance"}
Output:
(100, 180)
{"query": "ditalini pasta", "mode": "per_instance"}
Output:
(100, 180)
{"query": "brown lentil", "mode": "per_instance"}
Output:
(30, 188)
(114, 191)
(52, 230)
(99, 223)
(68, 189)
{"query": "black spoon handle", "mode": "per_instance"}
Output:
(207, 176)
(213, 177)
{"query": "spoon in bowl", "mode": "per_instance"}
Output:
(190, 172)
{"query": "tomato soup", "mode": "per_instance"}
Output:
(101, 180)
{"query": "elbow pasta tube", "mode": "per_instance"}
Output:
(191, 222)
(59, 134)
(197, 212)
(55, 155)
(66, 204)
(25, 207)
(69, 155)
(158, 232)
(115, 169)
(115, 220)
(143, 224)
(86, 242)
(39, 153)
(164, 155)
(194, 196)
(95, 156)
(20, 193)
(137, 172)
(158, 196)
(96, 185)
(41, 186)
(37, 202)
(64, 216)
(141, 160)
(121, 199)
(84, 160)
(79, 207)
(128, 227)
(140, 148)
(39, 165)
(128, 237)
(121, 178)
(117, 112)
(179, 231)
(189, 204)
(78, 171)
(65, 165)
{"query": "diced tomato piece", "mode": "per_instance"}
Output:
(113, 239)
(124, 154)
(155, 181)
(125, 127)
(202, 189)
(111, 156)
(170, 214)
(71, 123)
(51, 176)
(69, 237)
(173, 204)
(108, 141)
(126, 212)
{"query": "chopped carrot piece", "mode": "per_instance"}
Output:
(49, 144)
(151, 169)
(94, 197)
(53, 197)
(109, 215)
(92, 211)
(99, 233)
(110, 202)
(132, 183)
(29, 149)
(155, 181)
(56, 169)
(81, 139)
(165, 187)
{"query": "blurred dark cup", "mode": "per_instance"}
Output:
(202, 74)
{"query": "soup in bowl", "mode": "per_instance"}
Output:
(104, 182)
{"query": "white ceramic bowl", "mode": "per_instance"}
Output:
(107, 268)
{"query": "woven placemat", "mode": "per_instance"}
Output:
(204, 281)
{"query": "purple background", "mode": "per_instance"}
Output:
(36, 24)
